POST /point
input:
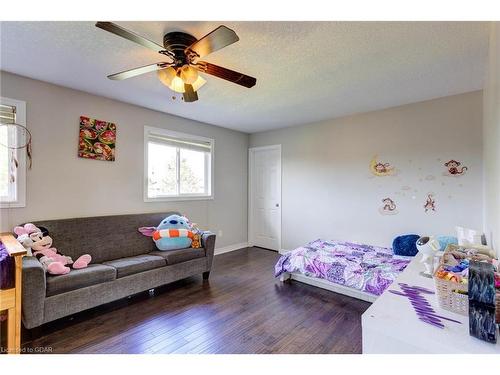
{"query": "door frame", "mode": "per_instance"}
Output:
(251, 153)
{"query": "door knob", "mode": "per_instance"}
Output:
(277, 204)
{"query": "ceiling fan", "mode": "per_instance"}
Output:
(180, 74)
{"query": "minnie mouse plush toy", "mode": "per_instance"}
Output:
(52, 261)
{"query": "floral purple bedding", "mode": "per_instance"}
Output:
(364, 267)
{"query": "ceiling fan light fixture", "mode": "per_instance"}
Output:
(177, 85)
(182, 48)
(188, 74)
(166, 76)
(198, 83)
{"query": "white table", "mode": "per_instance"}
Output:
(391, 325)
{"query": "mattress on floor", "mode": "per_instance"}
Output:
(364, 267)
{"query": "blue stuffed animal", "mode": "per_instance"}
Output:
(173, 233)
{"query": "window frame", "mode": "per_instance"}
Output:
(20, 183)
(209, 166)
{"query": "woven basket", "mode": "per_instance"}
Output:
(452, 296)
(480, 249)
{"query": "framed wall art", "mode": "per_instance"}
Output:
(97, 139)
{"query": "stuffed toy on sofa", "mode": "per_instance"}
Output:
(196, 239)
(40, 244)
(52, 261)
(173, 233)
(23, 236)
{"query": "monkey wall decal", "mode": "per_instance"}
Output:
(389, 207)
(430, 203)
(381, 169)
(454, 168)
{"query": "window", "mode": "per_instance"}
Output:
(12, 179)
(177, 166)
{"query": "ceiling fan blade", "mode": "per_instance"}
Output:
(124, 33)
(189, 94)
(138, 71)
(213, 41)
(227, 74)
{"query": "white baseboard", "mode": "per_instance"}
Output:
(284, 251)
(227, 249)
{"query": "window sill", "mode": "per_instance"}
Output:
(179, 199)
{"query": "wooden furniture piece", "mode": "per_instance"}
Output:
(10, 299)
(390, 325)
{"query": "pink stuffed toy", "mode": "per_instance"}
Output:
(52, 261)
(26, 229)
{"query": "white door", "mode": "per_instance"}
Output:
(265, 197)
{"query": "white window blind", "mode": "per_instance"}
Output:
(187, 144)
(7, 114)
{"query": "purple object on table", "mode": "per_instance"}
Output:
(422, 308)
(6, 269)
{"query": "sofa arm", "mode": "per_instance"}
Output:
(208, 242)
(33, 292)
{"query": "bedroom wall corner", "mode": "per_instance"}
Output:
(491, 136)
(329, 192)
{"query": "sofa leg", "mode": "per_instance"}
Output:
(206, 275)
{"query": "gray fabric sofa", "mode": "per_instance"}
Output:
(124, 262)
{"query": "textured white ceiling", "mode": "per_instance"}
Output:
(306, 71)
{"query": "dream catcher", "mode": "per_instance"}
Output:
(15, 137)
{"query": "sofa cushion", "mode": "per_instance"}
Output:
(178, 256)
(130, 265)
(76, 279)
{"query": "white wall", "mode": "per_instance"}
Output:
(61, 185)
(328, 191)
(492, 140)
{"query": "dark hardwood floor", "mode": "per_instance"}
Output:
(241, 309)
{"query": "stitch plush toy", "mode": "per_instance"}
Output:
(174, 232)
